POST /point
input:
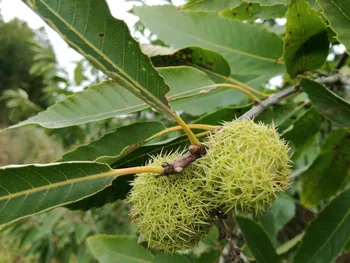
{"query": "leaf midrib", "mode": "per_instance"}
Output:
(275, 61)
(55, 185)
(135, 83)
(341, 11)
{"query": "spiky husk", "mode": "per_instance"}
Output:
(170, 212)
(246, 165)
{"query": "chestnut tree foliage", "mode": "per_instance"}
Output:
(214, 65)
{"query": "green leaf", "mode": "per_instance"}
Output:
(79, 76)
(302, 132)
(208, 257)
(81, 232)
(327, 102)
(278, 114)
(280, 213)
(98, 102)
(222, 114)
(115, 249)
(114, 143)
(125, 249)
(121, 185)
(191, 56)
(306, 41)
(337, 13)
(257, 240)
(117, 190)
(347, 247)
(89, 27)
(290, 244)
(109, 99)
(252, 11)
(29, 189)
(328, 233)
(283, 210)
(327, 173)
(242, 53)
(174, 258)
(218, 5)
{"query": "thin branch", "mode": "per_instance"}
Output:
(270, 101)
(334, 79)
(230, 252)
(341, 61)
(198, 151)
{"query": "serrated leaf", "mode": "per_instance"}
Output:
(29, 189)
(109, 99)
(252, 11)
(327, 102)
(116, 191)
(328, 171)
(89, 27)
(257, 240)
(118, 249)
(121, 185)
(242, 53)
(122, 140)
(191, 56)
(328, 233)
(337, 13)
(218, 5)
(306, 41)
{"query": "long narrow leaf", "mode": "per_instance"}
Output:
(249, 49)
(29, 189)
(89, 27)
(108, 99)
(328, 233)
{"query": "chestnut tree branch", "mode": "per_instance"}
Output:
(196, 151)
(273, 99)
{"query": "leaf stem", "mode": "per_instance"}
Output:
(133, 170)
(249, 93)
(191, 136)
(176, 128)
(162, 108)
(236, 82)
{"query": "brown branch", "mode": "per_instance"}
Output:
(230, 252)
(273, 99)
(341, 61)
(177, 166)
